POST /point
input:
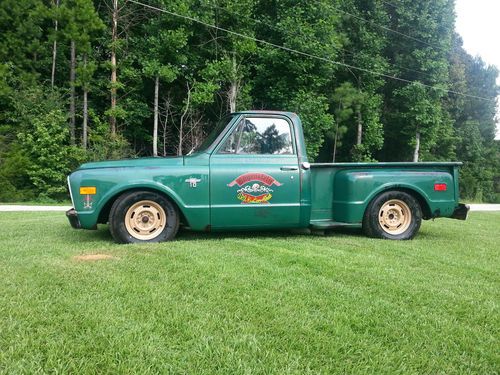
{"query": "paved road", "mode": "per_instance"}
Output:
(18, 208)
(484, 207)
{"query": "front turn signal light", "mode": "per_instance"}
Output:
(88, 190)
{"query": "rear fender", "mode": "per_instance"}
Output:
(355, 189)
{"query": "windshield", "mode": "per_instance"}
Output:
(214, 133)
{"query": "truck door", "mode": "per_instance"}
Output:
(254, 176)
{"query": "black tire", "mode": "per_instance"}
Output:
(143, 216)
(393, 215)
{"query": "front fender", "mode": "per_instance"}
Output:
(193, 203)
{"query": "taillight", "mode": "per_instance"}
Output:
(440, 187)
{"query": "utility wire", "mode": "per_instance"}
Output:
(388, 29)
(324, 59)
(390, 4)
(340, 49)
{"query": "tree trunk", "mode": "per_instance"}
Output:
(417, 146)
(85, 108)
(359, 136)
(164, 125)
(155, 126)
(165, 139)
(114, 38)
(335, 143)
(72, 76)
(233, 92)
(335, 139)
(234, 87)
(181, 126)
(54, 51)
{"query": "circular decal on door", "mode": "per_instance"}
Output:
(254, 187)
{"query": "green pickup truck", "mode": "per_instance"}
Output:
(252, 173)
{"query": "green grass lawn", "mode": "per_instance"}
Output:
(246, 303)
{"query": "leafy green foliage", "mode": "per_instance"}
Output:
(316, 120)
(202, 73)
(40, 150)
(48, 165)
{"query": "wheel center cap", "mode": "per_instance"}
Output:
(145, 219)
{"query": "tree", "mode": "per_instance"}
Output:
(41, 144)
(421, 116)
(55, 4)
(474, 124)
(79, 22)
(141, 75)
(358, 108)
(160, 61)
(418, 52)
(285, 80)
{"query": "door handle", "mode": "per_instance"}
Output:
(289, 168)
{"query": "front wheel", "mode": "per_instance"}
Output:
(394, 215)
(143, 216)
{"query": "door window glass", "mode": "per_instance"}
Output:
(260, 135)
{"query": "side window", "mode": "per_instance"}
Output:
(260, 135)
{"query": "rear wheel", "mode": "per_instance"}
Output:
(394, 215)
(143, 216)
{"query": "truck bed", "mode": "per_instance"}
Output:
(342, 191)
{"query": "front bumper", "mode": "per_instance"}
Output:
(461, 212)
(73, 218)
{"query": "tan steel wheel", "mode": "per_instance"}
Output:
(145, 220)
(394, 216)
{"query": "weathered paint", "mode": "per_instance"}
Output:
(167, 176)
(341, 193)
(210, 192)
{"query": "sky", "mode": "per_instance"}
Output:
(478, 24)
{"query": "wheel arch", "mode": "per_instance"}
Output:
(106, 207)
(411, 190)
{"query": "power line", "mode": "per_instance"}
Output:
(340, 49)
(390, 4)
(324, 59)
(389, 29)
(366, 21)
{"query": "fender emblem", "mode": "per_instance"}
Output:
(193, 182)
(87, 202)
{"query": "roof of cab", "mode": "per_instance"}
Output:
(267, 112)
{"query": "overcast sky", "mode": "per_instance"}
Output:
(478, 24)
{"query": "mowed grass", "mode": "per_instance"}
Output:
(270, 303)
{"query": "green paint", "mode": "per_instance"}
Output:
(224, 191)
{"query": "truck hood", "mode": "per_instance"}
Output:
(135, 163)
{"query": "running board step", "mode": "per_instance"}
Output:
(326, 224)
